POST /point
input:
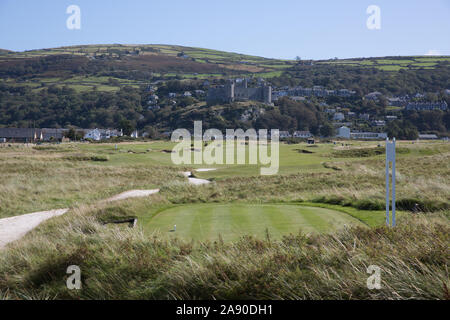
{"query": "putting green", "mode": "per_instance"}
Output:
(230, 221)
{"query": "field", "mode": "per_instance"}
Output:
(392, 63)
(161, 61)
(308, 232)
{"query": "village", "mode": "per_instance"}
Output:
(346, 124)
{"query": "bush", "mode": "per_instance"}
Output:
(369, 205)
(86, 157)
(417, 205)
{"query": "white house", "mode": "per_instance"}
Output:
(302, 134)
(284, 134)
(343, 132)
(368, 135)
(427, 137)
(93, 134)
(135, 134)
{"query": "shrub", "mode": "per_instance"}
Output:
(86, 157)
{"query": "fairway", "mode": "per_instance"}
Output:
(230, 221)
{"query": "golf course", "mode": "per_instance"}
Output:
(309, 231)
(232, 221)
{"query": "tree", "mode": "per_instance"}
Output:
(126, 126)
(327, 130)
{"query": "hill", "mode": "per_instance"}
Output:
(108, 85)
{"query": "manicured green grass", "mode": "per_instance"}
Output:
(231, 221)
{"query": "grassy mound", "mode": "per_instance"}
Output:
(231, 221)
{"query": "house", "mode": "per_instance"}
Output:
(427, 137)
(397, 102)
(302, 134)
(134, 134)
(53, 134)
(343, 132)
(338, 116)
(390, 118)
(172, 94)
(422, 106)
(93, 134)
(295, 98)
(284, 134)
(187, 94)
(153, 99)
(379, 123)
(21, 134)
(368, 135)
(374, 96)
(364, 116)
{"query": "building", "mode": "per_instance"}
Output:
(379, 123)
(135, 134)
(302, 134)
(397, 101)
(284, 134)
(93, 134)
(343, 132)
(317, 91)
(374, 96)
(364, 116)
(427, 137)
(101, 134)
(239, 91)
(338, 116)
(21, 134)
(423, 106)
(368, 135)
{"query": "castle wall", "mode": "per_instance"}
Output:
(239, 92)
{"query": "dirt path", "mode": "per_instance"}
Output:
(14, 228)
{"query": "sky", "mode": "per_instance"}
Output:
(314, 29)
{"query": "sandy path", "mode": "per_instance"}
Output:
(14, 228)
(195, 181)
(133, 194)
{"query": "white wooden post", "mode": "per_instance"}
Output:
(390, 157)
(393, 183)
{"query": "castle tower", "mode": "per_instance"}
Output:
(267, 94)
(229, 91)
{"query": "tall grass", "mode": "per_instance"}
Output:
(124, 263)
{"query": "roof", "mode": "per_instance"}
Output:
(19, 133)
(427, 136)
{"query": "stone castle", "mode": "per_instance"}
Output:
(239, 91)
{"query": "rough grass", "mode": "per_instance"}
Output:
(36, 180)
(120, 262)
(124, 263)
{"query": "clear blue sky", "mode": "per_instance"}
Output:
(314, 29)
